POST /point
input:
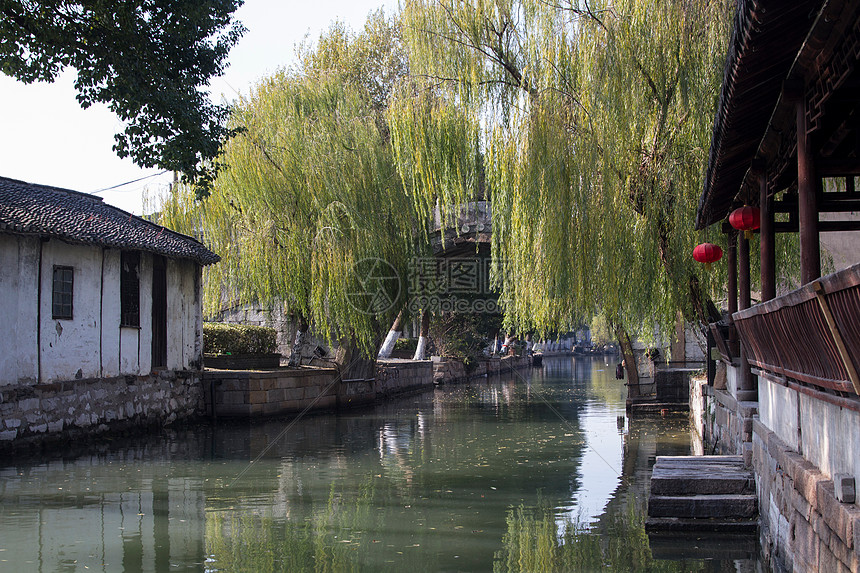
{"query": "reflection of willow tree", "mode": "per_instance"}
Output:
(533, 543)
(330, 540)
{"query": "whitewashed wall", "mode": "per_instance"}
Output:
(184, 316)
(70, 348)
(19, 264)
(92, 344)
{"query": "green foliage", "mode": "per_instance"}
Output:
(601, 331)
(463, 335)
(532, 543)
(222, 338)
(312, 191)
(406, 345)
(597, 120)
(150, 62)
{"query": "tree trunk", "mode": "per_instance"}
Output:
(420, 350)
(705, 309)
(301, 334)
(506, 347)
(390, 340)
(352, 365)
(629, 363)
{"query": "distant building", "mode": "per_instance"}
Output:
(93, 298)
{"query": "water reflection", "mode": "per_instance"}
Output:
(540, 472)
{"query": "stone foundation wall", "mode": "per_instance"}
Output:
(396, 376)
(245, 393)
(286, 391)
(804, 527)
(795, 438)
(450, 371)
(723, 422)
(34, 413)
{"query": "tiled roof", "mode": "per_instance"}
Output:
(81, 218)
(765, 40)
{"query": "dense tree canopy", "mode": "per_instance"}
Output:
(149, 61)
(311, 190)
(597, 121)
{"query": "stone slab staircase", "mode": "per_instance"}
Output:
(702, 493)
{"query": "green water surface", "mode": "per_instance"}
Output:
(532, 471)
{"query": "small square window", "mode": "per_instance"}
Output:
(63, 292)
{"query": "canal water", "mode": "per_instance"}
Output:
(533, 471)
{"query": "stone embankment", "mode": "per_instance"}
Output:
(283, 391)
(810, 529)
(448, 371)
(30, 413)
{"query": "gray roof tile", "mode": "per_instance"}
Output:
(29, 208)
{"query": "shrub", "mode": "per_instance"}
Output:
(406, 345)
(221, 338)
(463, 335)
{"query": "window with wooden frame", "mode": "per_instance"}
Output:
(63, 293)
(129, 288)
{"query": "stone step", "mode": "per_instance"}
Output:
(691, 475)
(685, 539)
(719, 506)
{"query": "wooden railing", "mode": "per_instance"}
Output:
(811, 335)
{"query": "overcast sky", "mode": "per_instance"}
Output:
(47, 138)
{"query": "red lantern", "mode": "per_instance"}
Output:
(746, 219)
(707, 253)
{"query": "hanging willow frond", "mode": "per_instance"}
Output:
(596, 123)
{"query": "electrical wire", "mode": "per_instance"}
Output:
(129, 182)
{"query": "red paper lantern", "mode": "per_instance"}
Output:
(707, 253)
(746, 219)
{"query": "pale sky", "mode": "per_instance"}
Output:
(47, 138)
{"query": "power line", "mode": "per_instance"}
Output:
(130, 182)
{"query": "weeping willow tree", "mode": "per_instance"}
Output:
(596, 127)
(311, 211)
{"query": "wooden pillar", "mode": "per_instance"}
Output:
(745, 389)
(810, 258)
(767, 241)
(732, 287)
(743, 272)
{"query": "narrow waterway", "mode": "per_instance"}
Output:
(534, 471)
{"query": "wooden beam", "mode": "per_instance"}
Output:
(823, 226)
(837, 336)
(837, 167)
(826, 205)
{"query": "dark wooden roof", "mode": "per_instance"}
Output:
(28, 208)
(765, 41)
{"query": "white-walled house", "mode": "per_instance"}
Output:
(101, 314)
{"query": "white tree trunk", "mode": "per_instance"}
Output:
(391, 339)
(388, 345)
(421, 349)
